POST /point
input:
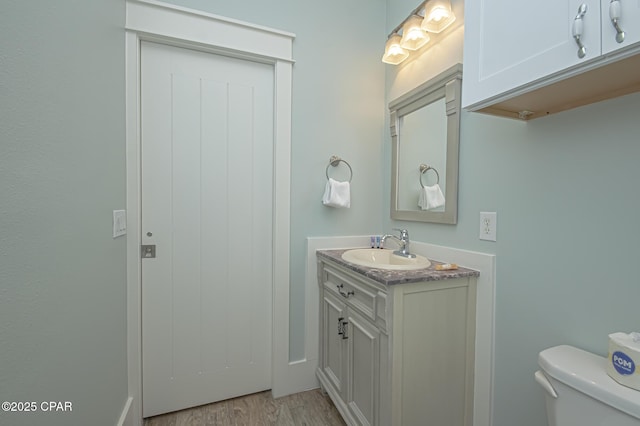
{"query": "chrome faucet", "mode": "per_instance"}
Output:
(403, 243)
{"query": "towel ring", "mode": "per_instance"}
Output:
(334, 161)
(423, 169)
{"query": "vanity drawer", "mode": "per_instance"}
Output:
(355, 294)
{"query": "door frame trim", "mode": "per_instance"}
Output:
(150, 20)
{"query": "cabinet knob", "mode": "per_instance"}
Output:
(578, 30)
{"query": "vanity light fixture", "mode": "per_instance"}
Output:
(431, 16)
(393, 51)
(413, 36)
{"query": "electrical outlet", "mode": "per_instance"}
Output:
(488, 223)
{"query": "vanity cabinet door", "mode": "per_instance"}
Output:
(333, 357)
(433, 352)
(363, 369)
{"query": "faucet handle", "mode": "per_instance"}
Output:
(404, 234)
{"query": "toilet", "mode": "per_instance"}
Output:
(578, 391)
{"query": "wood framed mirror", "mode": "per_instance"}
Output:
(425, 131)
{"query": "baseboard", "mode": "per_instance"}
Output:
(126, 418)
(300, 377)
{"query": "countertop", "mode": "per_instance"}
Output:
(391, 277)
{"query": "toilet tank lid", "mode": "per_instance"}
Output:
(586, 372)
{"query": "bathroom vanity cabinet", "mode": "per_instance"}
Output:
(522, 60)
(395, 352)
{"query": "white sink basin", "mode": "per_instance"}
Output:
(384, 259)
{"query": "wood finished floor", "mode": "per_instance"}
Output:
(310, 408)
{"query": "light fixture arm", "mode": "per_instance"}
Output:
(415, 11)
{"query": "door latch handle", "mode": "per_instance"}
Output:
(148, 251)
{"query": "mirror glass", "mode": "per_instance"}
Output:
(425, 128)
(418, 146)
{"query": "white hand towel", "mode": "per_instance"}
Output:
(431, 197)
(337, 194)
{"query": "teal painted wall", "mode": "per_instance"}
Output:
(62, 172)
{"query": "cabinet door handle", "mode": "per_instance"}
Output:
(342, 293)
(578, 30)
(344, 330)
(614, 13)
(340, 326)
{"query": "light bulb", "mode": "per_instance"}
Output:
(437, 16)
(413, 36)
(438, 13)
(393, 52)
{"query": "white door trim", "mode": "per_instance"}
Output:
(160, 22)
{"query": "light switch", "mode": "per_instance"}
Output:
(119, 223)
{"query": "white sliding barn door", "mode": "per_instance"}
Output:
(207, 172)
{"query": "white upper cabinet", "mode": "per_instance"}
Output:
(514, 51)
(510, 43)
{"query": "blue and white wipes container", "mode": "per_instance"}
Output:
(624, 359)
